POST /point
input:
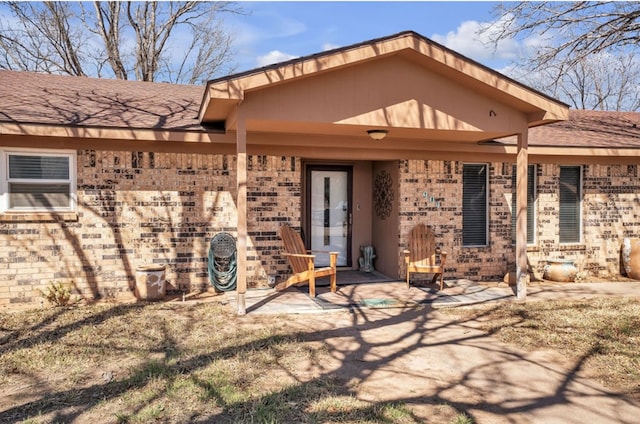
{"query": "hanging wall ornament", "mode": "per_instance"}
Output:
(383, 195)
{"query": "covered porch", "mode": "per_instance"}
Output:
(431, 103)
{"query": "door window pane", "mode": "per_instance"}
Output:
(330, 215)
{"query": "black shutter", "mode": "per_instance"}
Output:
(570, 204)
(474, 205)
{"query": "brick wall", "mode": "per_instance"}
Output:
(609, 213)
(273, 198)
(145, 208)
(138, 208)
(431, 192)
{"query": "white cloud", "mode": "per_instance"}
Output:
(262, 29)
(329, 46)
(274, 56)
(474, 39)
(268, 25)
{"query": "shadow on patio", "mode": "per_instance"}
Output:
(371, 290)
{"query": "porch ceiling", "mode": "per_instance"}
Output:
(355, 134)
(418, 89)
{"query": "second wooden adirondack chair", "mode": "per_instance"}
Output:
(421, 254)
(301, 262)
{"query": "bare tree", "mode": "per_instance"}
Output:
(602, 81)
(582, 51)
(46, 38)
(183, 42)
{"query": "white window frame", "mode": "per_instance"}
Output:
(486, 199)
(5, 179)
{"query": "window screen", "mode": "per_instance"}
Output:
(38, 182)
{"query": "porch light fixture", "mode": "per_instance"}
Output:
(377, 134)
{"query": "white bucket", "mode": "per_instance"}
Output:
(150, 282)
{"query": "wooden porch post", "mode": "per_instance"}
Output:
(522, 162)
(241, 206)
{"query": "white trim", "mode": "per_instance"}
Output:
(5, 180)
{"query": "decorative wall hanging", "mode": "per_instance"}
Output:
(383, 195)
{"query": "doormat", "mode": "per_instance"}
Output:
(366, 303)
(387, 303)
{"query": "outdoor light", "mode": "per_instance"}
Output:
(377, 134)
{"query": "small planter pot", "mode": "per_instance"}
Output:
(631, 257)
(150, 282)
(561, 270)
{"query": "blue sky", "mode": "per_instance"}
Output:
(277, 31)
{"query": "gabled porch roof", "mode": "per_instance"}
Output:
(418, 89)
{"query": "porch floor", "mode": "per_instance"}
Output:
(356, 291)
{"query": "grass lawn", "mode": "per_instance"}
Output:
(159, 363)
(202, 363)
(602, 334)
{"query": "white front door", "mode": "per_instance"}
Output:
(329, 212)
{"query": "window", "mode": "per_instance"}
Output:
(570, 197)
(474, 204)
(531, 198)
(35, 181)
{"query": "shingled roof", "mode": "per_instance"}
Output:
(588, 128)
(36, 98)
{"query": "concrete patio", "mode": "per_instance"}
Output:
(394, 294)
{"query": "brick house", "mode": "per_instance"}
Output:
(100, 176)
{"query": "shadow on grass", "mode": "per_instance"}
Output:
(363, 353)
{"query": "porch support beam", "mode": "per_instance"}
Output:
(522, 162)
(241, 207)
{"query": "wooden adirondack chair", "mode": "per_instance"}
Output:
(420, 256)
(301, 262)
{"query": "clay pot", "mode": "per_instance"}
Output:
(631, 257)
(561, 270)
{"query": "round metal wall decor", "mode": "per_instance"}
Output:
(383, 195)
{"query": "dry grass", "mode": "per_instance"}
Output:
(142, 363)
(202, 363)
(602, 334)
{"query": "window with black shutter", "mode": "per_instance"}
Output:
(531, 198)
(570, 198)
(474, 204)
